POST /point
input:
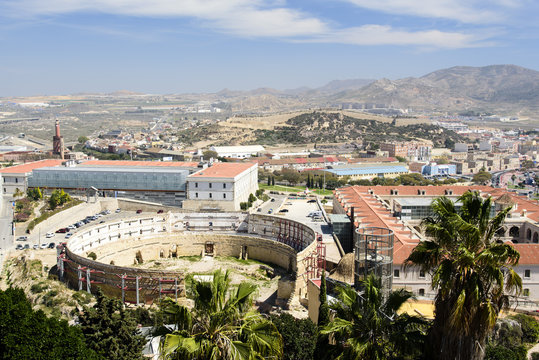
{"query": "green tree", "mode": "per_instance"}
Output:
(273, 181)
(29, 334)
(221, 324)
(34, 194)
(208, 154)
(323, 310)
(82, 139)
(482, 177)
(471, 272)
(299, 336)
(291, 175)
(110, 330)
(58, 198)
(513, 178)
(269, 180)
(367, 326)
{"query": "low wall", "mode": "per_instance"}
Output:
(116, 245)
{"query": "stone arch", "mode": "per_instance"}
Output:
(514, 231)
(417, 228)
(529, 234)
(501, 231)
(536, 237)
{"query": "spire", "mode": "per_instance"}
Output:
(57, 128)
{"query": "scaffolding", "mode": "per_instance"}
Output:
(132, 287)
(291, 234)
(374, 255)
(315, 262)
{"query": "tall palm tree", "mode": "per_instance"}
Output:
(221, 325)
(471, 271)
(367, 326)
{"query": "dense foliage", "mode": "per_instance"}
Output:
(335, 127)
(110, 330)
(299, 336)
(471, 272)
(29, 334)
(367, 326)
(222, 324)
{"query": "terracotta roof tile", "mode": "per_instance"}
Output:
(28, 167)
(138, 163)
(223, 170)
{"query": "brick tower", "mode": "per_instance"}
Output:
(58, 142)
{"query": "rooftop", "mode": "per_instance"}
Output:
(368, 170)
(223, 170)
(28, 167)
(139, 163)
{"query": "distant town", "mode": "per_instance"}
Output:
(140, 198)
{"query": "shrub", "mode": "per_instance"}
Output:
(535, 356)
(529, 326)
(92, 255)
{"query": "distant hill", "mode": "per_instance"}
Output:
(507, 88)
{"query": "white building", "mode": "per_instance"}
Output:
(238, 152)
(221, 187)
(16, 177)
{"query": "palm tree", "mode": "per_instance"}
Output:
(471, 272)
(221, 325)
(367, 326)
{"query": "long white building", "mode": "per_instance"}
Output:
(238, 152)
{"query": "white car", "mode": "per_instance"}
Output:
(49, 235)
(44, 245)
(36, 246)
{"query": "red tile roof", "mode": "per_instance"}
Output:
(223, 170)
(368, 211)
(28, 167)
(138, 163)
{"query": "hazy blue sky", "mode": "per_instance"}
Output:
(175, 46)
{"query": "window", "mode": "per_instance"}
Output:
(210, 195)
(526, 292)
(396, 273)
(421, 274)
(16, 180)
(210, 185)
(527, 273)
(421, 292)
(196, 195)
(196, 184)
(224, 186)
(224, 196)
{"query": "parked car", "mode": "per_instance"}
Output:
(62, 230)
(49, 235)
(160, 211)
(36, 246)
(22, 238)
(272, 200)
(311, 201)
(270, 211)
(44, 246)
(51, 245)
(118, 210)
(283, 210)
(68, 235)
(19, 247)
(139, 211)
(26, 246)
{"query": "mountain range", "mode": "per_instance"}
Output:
(502, 89)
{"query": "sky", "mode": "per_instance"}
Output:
(53, 47)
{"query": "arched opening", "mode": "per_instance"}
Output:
(529, 234)
(514, 231)
(500, 231)
(536, 238)
(417, 228)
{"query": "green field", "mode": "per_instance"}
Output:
(294, 189)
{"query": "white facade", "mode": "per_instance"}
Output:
(222, 186)
(12, 182)
(419, 283)
(237, 152)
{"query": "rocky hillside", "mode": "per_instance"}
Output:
(496, 88)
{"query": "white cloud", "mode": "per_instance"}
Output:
(386, 35)
(466, 11)
(271, 18)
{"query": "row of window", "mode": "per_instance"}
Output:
(211, 185)
(396, 274)
(210, 195)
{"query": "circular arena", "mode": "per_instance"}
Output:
(121, 246)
